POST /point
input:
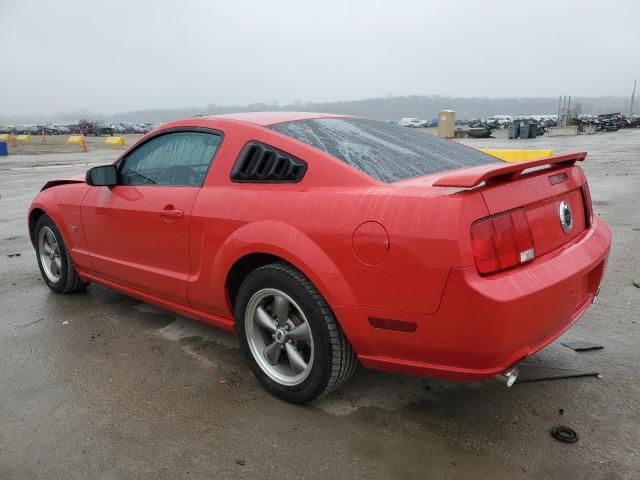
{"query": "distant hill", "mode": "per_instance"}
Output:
(387, 108)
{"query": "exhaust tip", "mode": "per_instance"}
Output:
(507, 378)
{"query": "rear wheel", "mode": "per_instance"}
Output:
(56, 266)
(292, 340)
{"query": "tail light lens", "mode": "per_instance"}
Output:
(502, 241)
(588, 207)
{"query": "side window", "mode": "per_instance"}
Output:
(179, 159)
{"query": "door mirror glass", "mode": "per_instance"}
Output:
(103, 176)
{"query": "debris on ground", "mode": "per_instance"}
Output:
(241, 462)
(582, 345)
(10, 255)
(564, 434)
(65, 323)
(232, 380)
(560, 377)
(636, 283)
(22, 325)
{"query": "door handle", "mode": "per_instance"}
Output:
(171, 212)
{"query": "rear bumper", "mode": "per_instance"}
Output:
(485, 325)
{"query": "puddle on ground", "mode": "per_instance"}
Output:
(195, 337)
(183, 328)
(388, 392)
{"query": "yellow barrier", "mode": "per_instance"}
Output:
(75, 139)
(513, 156)
(5, 137)
(114, 141)
(23, 138)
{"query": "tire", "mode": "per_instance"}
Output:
(330, 360)
(67, 279)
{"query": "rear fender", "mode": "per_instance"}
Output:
(284, 241)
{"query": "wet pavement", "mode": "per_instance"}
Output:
(98, 385)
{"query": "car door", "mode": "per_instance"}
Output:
(138, 231)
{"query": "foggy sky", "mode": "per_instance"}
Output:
(116, 56)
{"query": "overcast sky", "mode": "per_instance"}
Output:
(117, 56)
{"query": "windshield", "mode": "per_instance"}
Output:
(384, 151)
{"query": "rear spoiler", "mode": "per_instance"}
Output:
(474, 176)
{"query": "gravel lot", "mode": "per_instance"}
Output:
(97, 385)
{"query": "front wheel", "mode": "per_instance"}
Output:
(56, 266)
(290, 336)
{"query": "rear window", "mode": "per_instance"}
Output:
(384, 151)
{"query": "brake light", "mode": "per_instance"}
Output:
(502, 241)
(588, 206)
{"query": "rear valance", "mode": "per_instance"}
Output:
(474, 176)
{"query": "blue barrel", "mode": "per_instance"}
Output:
(4, 151)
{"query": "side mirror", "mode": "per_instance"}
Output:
(102, 176)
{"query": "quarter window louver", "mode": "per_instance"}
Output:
(260, 163)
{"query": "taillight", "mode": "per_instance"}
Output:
(588, 207)
(502, 241)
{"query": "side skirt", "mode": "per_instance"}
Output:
(225, 324)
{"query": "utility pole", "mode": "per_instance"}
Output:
(633, 95)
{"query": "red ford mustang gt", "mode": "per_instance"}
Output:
(327, 239)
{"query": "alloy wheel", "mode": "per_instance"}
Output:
(49, 252)
(279, 336)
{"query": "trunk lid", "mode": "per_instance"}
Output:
(539, 187)
(541, 200)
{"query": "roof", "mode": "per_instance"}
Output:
(271, 118)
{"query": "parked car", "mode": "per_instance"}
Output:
(119, 128)
(87, 127)
(500, 120)
(127, 127)
(48, 129)
(414, 123)
(32, 129)
(63, 129)
(327, 240)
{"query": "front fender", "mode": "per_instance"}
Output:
(47, 204)
(284, 241)
(63, 204)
